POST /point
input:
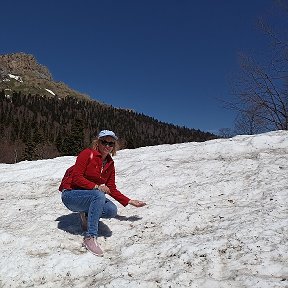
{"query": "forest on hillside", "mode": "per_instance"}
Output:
(39, 127)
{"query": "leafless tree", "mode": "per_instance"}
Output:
(225, 132)
(261, 91)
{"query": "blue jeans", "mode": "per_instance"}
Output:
(92, 202)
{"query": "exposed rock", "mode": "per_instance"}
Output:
(35, 78)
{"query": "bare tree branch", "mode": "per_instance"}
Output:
(261, 91)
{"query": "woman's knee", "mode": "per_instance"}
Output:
(113, 211)
(110, 210)
(100, 196)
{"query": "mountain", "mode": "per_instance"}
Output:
(41, 118)
(22, 72)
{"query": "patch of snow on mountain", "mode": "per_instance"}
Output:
(18, 78)
(51, 92)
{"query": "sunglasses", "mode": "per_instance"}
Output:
(106, 143)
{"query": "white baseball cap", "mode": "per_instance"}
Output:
(104, 133)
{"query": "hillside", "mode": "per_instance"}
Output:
(216, 218)
(41, 119)
(22, 72)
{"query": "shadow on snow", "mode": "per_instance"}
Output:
(71, 223)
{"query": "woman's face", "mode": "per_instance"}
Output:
(106, 145)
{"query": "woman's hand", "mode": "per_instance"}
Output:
(104, 189)
(136, 203)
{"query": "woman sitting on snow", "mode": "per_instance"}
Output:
(85, 184)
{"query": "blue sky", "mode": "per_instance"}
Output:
(171, 60)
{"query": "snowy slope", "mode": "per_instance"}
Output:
(216, 217)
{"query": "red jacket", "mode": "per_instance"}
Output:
(88, 171)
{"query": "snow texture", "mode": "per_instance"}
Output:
(216, 217)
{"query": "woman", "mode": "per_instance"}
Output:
(84, 188)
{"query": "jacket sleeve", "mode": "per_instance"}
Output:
(78, 178)
(115, 193)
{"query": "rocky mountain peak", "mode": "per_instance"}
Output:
(22, 72)
(23, 65)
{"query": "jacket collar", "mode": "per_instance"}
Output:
(98, 154)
